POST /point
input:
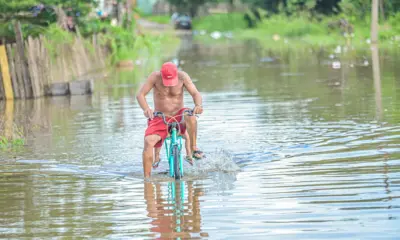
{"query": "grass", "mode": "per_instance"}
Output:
(162, 19)
(283, 31)
(11, 142)
(220, 22)
(6, 143)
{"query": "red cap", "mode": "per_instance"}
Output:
(169, 74)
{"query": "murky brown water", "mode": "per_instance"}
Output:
(296, 149)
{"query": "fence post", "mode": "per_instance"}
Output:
(1, 88)
(9, 120)
(18, 72)
(22, 58)
(11, 63)
(5, 72)
(33, 61)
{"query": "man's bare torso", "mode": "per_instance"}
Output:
(168, 100)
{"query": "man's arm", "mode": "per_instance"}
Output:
(191, 88)
(143, 91)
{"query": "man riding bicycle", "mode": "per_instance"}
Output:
(168, 85)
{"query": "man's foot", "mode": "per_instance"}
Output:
(198, 154)
(156, 163)
(189, 160)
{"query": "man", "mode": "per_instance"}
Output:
(168, 86)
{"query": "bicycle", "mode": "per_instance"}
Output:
(173, 145)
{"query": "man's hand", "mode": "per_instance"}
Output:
(149, 113)
(141, 95)
(198, 109)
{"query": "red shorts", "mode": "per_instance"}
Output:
(158, 127)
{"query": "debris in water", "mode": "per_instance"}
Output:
(276, 37)
(228, 35)
(216, 35)
(338, 49)
(336, 65)
(267, 59)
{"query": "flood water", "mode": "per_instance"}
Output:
(296, 149)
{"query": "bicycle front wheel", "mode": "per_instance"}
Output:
(177, 166)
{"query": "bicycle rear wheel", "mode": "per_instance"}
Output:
(177, 166)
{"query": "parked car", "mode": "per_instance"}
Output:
(183, 22)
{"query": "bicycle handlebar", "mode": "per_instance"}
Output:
(158, 114)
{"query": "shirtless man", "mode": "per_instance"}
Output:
(168, 86)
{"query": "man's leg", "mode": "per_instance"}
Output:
(187, 144)
(149, 142)
(191, 126)
(157, 151)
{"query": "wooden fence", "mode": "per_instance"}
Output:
(28, 69)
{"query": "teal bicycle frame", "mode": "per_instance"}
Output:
(172, 141)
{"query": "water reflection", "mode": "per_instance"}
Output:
(175, 211)
(377, 80)
(9, 119)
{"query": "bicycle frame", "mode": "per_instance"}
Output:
(170, 142)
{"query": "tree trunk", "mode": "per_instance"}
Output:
(231, 6)
(193, 10)
(382, 8)
(374, 21)
(119, 13)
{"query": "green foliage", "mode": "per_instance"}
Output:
(36, 15)
(6, 143)
(292, 26)
(56, 38)
(10, 6)
(394, 21)
(355, 10)
(352, 8)
(17, 140)
(220, 22)
(391, 30)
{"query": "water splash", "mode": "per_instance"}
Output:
(218, 161)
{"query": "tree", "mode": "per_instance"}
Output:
(293, 6)
(190, 6)
(36, 15)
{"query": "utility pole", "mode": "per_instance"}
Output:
(374, 22)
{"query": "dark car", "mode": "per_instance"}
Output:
(183, 22)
